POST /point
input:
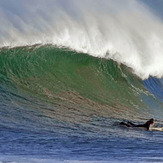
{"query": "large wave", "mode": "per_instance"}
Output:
(123, 30)
(73, 83)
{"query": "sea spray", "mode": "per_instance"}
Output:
(128, 33)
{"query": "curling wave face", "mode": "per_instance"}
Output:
(71, 82)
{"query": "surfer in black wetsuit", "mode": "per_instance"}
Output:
(146, 125)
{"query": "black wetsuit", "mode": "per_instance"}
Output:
(146, 125)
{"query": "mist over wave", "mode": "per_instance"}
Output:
(123, 30)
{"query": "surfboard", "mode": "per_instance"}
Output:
(156, 129)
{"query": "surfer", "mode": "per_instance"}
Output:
(146, 125)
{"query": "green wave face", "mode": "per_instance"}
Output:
(61, 76)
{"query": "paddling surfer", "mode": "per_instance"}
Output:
(146, 125)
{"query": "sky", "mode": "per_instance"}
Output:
(156, 6)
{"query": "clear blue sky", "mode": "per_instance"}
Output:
(156, 6)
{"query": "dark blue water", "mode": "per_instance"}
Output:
(83, 143)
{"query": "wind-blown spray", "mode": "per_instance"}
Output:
(123, 30)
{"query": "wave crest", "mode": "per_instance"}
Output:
(128, 33)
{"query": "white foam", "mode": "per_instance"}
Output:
(20, 159)
(123, 30)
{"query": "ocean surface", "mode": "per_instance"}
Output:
(66, 85)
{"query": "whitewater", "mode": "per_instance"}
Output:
(71, 71)
(123, 30)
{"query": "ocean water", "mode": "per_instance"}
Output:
(71, 72)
